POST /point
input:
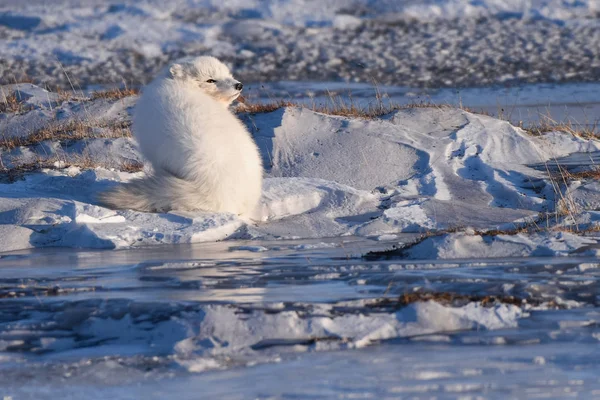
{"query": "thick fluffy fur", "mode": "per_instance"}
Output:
(202, 155)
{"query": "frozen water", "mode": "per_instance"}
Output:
(305, 319)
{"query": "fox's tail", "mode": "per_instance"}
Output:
(157, 193)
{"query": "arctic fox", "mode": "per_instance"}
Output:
(202, 155)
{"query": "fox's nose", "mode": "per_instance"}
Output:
(238, 86)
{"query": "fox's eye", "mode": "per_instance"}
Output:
(211, 81)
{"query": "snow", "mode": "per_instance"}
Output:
(461, 245)
(428, 252)
(413, 170)
(73, 43)
(555, 10)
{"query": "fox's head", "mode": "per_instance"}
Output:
(210, 75)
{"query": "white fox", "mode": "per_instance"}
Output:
(202, 155)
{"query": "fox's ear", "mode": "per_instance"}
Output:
(176, 71)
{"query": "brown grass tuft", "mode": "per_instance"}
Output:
(445, 298)
(576, 176)
(479, 111)
(549, 125)
(257, 108)
(71, 130)
(10, 103)
(131, 166)
(114, 94)
(68, 95)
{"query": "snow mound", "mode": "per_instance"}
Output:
(464, 245)
(40, 108)
(413, 170)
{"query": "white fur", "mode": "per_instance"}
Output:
(203, 157)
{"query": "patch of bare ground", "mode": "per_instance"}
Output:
(540, 226)
(70, 130)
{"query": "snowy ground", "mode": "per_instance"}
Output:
(427, 252)
(408, 43)
(413, 170)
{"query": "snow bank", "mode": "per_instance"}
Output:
(414, 170)
(464, 245)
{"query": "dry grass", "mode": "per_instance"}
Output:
(480, 111)
(11, 104)
(11, 292)
(258, 108)
(549, 125)
(538, 226)
(457, 300)
(81, 161)
(339, 107)
(130, 166)
(68, 95)
(543, 223)
(70, 130)
(445, 298)
(577, 176)
(560, 179)
(565, 205)
(114, 94)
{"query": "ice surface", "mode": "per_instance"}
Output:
(217, 318)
